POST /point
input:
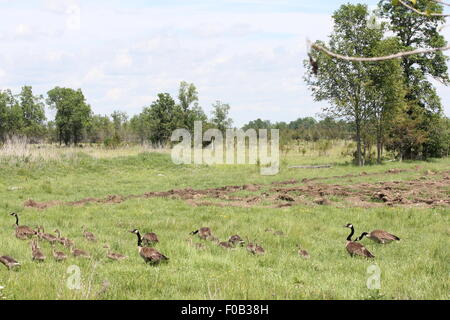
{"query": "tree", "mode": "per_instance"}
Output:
(161, 118)
(191, 110)
(420, 31)
(220, 117)
(387, 91)
(342, 83)
(73, 114)
(33, 113)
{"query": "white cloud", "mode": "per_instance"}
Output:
(23, 30)
(115, 94)
(123, 60)
(94, 75)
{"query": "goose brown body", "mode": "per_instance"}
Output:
(150, 239)
(113, 255)
(236, 239)
(78, 253)
(303, 253)
(203, 233)
(89, 235)
(9, 262)
(58, 255)
(22, 232)
(355, 248)
(62, 240)
(46, 236)
(37, 254)
(149, 255)
(380, 236)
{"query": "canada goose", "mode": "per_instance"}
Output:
(254, 248)
(36, 252)
(150, 239)
(379, 236)
(62, 240)
(22, 232)
(78, 253)
(48, 237)
(150, 255)
(225, 244)
(303, 253)
(89, 235)
(259, 249)
(58, 255)
(355, 248)
(9, 262)
(236, 239)
(203, 233)
(112, 255)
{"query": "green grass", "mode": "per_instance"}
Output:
(415, 268)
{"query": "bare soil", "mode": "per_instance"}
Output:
(430, 190)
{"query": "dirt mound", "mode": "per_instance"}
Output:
(418, 192)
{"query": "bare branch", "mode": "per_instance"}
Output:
(428, 14)
(374, 59)
(442, 2)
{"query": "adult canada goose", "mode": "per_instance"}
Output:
(58, 255)
(89, 235)
(46, 236)
(150, 239)
(203, 233)
(9, 262)
(150, 255)
(112, 255)
(22, 232)
(303, 253)
(236, 239)
(62, 240)
(37, 254)
(78, 253)
(355, 248)
(379, 236)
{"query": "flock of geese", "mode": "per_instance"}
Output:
(151, 255)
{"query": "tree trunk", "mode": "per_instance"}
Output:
(358, 142)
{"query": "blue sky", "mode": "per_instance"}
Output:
(247, 53)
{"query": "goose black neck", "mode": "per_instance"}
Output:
(349, 238)
(139, 239)
(17, 219)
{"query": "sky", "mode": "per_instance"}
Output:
(247, 53)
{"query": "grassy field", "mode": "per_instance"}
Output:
(417, 267)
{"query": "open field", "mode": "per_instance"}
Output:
(111, 195)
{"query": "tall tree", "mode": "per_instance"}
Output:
(388, 91)
(220, 116)
(73, 114)
(33, 113)
(190, 108)
(342, 83)
(162, 117)
(420, 31)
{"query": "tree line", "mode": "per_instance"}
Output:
(23, 115)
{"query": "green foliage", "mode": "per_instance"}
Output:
(73, 114)
(417, 31)
(220, 118)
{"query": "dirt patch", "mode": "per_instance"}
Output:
(418, 192)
